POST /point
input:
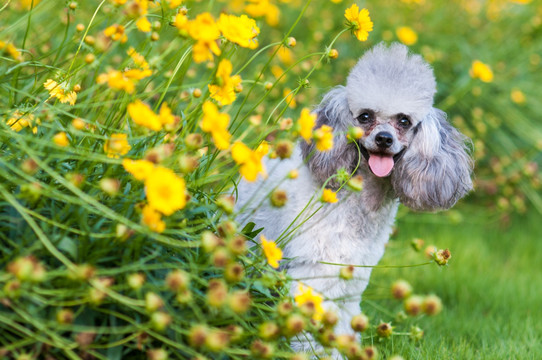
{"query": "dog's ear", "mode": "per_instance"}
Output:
(332, 111)
(436, 168)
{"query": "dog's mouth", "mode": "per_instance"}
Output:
(381, 164)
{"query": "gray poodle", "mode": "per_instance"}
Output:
(409, 154)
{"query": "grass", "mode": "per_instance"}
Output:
(491, 289)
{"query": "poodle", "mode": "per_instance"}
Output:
(408, 154)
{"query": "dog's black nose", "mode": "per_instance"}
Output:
(384, 139)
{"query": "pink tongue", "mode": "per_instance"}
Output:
(381, 165)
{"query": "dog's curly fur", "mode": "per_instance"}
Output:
(431, 170)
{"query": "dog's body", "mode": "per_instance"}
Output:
(409, 154)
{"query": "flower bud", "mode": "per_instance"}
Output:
(217, 293)
(326, 336)
(413, 305)
(260, 349)
(197, 335)
(72, 5)
(29, 166)
(401, 289)
(184, 297)
(235, 332)
(135, 281)
(12, 289)
(442, 256)
(234, 272)
(188, 163)
(220, 257)
(226, 203)
(89, 58)
(177, 280)
(295, 323)
(217, 340)
(417, 244)
(27, 268)
(76, 179)
(346, 272)
(400, 316)
(239, 301)
(355, 183)
(343, 341)
(97, 294)
(84, 339)
(78, 124)
(110, 186)
(285, 308)
(330, 318)
(80, 27)
(196, 93)
(430, 251)
(209, 241)
(284, 149)
(237, 245)
(291, 41)
(82, 272)
(369, 353)
(153, 302)
(155, 36)
(227, 228)
(354, 133)
(193, 141)
(384, 330)
(279, 198)
(359, 323)
(64, 316)
(416, 334)
(160, 320)
(333, 54)
(432, 305)
(268, 85)
(268, 330)
(157, 354)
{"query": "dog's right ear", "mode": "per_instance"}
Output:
(334, 112)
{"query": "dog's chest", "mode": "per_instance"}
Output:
(345, 233)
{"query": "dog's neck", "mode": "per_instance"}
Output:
(377, 191)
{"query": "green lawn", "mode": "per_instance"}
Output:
(491, 290)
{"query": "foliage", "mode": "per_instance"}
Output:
(126, 125)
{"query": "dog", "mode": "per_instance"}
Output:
(408, 154)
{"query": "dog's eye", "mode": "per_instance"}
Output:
(404, 122)
(364, 118)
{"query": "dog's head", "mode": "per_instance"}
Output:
(389, 94)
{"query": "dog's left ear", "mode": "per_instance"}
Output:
(332, 111)
(436, 169)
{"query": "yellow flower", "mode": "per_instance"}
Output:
(174, 3)
(290, 98)
(117, 145)
(116, 33)
(216, 124)
(259, 8)
(19, 121)
(27, 4)
(359, 21)
(152, 219)
(61, 139)
(138, 59)
(224, 92)
(406, 35)
(481, 71)
(306, 295)
(118, 80)
(166, 192)
(271, 251)
(324, 138)
(329, 196)
(143, 115)
(517, 96)
(306, 122)
(181, 22)
(140, 169)
(11, 50)
(60, 91)
(205, 30)
(241, 30)
(143, 24)
(250, 161)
